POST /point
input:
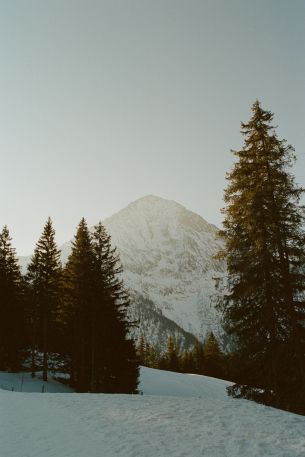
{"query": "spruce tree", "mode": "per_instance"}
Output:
(213, 357)
(79, 282)
(12, 338)
(198, 358)
(187, 362)
(103, 356)
(264, 249)
(172, 356)
(152, 356)
(141, 350)
(111, 322)
(44, 278)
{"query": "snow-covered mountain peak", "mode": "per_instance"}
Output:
(168, 256)
(156, 223)
(155, 208)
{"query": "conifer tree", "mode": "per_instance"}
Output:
(103, 357)
(264, 250)
(44, 278)
(111, 306)
(213, 357)
(198, 358)
(141, 350)
(152, 356)
(79, 282)
(172, 356)
(12, 326)
(187, 362)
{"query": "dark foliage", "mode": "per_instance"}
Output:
(264, 249)
(44, 280)
(103, 358)
(12, 321)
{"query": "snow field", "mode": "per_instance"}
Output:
(198, 419)
(23, 382)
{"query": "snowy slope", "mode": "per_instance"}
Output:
(198, 419)
(168, 257)
(23, 382)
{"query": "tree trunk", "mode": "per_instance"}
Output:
(93, 361)
(44, 347)
(33, 345)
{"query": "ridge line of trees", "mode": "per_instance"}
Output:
(78, 313)
(205, 358)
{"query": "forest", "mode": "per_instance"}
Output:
(73, 318)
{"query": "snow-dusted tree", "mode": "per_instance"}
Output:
(264, 249)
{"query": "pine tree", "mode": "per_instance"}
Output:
(44, 278)
(187, 362)
(172, 356)
(111, 308)
(79, 282)
(103, 356)
(153, 356)
(141, 350)
(12, 338)
(213, 357)
(264, 250)
(198, 358)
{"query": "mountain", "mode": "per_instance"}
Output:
(167, 254)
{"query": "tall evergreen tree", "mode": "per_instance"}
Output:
(11, 305)
(103, 357)
(141, 350)
(264, 250)
(187, 362)
(172, 355)
(198, 358)
(213, 357)
(152, 356)
(146, 353)
(44, 277)
(79, 280)
(111, 324)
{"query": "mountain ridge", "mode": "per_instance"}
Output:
(168, 257)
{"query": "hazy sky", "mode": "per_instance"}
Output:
(103, 102)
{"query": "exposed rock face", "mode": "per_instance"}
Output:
(169, 267)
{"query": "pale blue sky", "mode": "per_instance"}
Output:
(103, 102)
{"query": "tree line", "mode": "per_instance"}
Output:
(205, 358)
(78, 314)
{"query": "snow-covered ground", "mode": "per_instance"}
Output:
(177, 415)
(23, 382)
